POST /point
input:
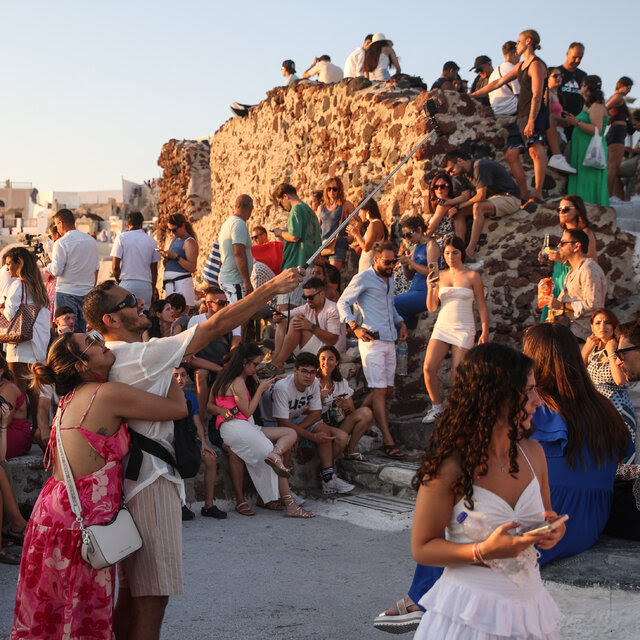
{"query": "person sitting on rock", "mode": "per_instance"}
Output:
(295, 402)
(449, 76)
(378, 57)
(497, 194)
(313, 325)
(353, 66)
(326, 71)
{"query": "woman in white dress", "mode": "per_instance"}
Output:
(376, 231)
(481, 479)
(378, 57)
(455, 289)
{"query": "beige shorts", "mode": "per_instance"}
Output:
(505, 205)
(155, 570)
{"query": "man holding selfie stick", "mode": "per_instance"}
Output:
(372, 290)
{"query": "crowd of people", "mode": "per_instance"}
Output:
(523, 437)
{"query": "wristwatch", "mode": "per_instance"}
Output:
(314, 326)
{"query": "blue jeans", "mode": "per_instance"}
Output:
(75, 302)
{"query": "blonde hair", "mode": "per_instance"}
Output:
(532, 34)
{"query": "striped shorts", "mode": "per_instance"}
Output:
(156, 569)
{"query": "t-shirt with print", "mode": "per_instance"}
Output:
(233, 231)
(302, 223)
(283, 400)
(569, 90)
(342, 389)
(493, 176)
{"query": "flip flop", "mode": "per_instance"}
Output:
(356, 455)
(244, 509)
(8, 557)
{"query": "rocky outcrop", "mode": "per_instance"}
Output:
(185, 185)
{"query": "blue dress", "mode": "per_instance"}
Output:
(585, 493)
(415, 300)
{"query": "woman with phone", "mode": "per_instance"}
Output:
(482, 477)
(261, 448)
(455, 289)
(338, 409)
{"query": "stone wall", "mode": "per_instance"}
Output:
(185, 183)
(359, 132)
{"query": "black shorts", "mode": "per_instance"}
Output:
(617, 134)
(515, 139)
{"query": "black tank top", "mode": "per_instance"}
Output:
(620, 112)
(526, 90)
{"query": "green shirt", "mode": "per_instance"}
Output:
(302, 223)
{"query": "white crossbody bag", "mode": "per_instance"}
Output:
(102, 544)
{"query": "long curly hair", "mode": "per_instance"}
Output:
(564, 385)
(490, 379)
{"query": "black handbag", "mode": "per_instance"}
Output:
(624, 520)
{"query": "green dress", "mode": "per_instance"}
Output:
(589, 183)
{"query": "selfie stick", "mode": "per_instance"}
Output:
(430, 109)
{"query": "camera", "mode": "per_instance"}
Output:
(34, 243)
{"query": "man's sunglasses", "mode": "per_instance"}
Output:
(389, 263)
(129, 301)
(311, 296)
(619, 353)
(254, 238)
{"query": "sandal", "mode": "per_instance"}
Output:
(355, 455)
(7, 556)
(401, 622)
(274, 460)
(269, 371)
(392, 451)
(272, 505)
(15, 536)
(244, 509)
(296, 510)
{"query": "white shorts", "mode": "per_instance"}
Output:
(378, 362)
(184, 286)
(232, 292)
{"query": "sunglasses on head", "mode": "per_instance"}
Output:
(129, 301)
(564, 209)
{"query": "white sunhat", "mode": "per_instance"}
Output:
(380, 36)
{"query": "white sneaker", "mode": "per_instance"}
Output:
(336, 485)
(432, 414)
(299, 500)
(559, 162)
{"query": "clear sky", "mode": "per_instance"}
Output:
(92, 90)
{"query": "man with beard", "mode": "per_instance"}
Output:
(153, 489)
(628, 351)
(372, 290)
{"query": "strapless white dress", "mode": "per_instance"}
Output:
(506, 600)
(455, 323)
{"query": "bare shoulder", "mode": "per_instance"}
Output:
(534, 451)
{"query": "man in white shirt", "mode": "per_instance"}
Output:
(295, 402)
(75, 262)
(135, 257)
(504, 101)
(153, 490)
(353, 66)
(326, 71)
(312, 325)
(236, 260)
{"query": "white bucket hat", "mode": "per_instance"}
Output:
(380, 36)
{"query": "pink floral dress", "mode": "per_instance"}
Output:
(60, 595)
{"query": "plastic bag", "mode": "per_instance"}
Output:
(595, 156)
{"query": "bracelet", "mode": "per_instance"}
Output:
(477, 556)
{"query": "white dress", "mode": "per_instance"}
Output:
(381, 72)
(506, 599)
(455, 323)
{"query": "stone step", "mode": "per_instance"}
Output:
(381, 475)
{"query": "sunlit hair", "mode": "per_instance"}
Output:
(336, 376)
(28, 271)
(373, 210)
(234, 366)
(609, 315)
(339, 195)
(457, 243)
(564, 385)
(178, 220)
(625, 81)
(60, 368)
(372, 55)
(532, 34)
(490, 384)
(414, 223)
(433, 195)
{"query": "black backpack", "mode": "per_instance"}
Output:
(186, 444)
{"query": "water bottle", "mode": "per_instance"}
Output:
(402, 357)
(546, 247)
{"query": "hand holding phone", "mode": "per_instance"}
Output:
(543, 527)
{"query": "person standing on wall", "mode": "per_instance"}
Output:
(134, 259)
(75, 262)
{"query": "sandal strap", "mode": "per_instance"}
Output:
(402, 607)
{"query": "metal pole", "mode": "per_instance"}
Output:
(347, 220)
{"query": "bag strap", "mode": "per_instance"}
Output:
(140, 443)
